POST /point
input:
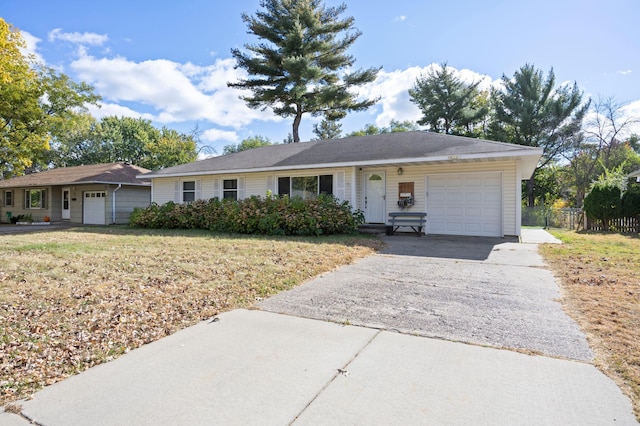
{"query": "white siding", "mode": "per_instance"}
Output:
(248, 184)
(416, 174)
(127, 198)
(163, 190)
(259, 183)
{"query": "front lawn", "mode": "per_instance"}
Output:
(76, 298)
(600, 278)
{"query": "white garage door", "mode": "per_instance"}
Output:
(465, 204)
(94, 208)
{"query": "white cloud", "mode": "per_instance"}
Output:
(176, 92)
(392, 88)
(631, 112)
(78, 38)
(625, 72)
(31, 47)
(111, 109)
(213, 135)
(399, 18)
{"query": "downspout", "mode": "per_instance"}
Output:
(113, 202)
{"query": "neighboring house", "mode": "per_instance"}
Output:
(467, 186)
(636, 175)
(97, 194)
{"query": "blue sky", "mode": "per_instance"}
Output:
(170, 61)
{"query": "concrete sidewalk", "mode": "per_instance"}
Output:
(537, 236)
(254, 367)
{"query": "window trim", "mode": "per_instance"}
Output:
(184, 191)
(230, 191)
(289, 180)
(43, 199)
(4, 198)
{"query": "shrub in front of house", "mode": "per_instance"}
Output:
(271, 215)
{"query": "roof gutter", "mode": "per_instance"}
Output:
(113, 204)
(449, 158)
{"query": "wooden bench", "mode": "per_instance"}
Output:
(413, 220)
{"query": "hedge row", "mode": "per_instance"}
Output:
(608, 202)
(272, 215)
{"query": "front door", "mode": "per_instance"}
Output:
(66, 208)
(374, 197)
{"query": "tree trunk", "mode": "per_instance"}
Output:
(531, 199)
(296, 124)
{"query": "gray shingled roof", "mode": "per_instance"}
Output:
(111, 173)
(402, 147)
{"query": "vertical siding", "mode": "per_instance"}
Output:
(127, 198)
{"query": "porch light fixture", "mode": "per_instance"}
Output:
(400, 171)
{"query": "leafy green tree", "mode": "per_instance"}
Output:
(608, 144)
(394, 127)
(248, 143)
(301, 64)
(127, 139)
(36, 105)
(553, 183)
(170, 149)
(530, 110)
(327, 129)
(448, 104)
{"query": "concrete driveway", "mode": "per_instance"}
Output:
(486, 291)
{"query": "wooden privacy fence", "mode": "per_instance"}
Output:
(626, 225)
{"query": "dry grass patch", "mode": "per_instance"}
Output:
(600, 276)
(76, 298)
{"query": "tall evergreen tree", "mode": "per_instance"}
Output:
(301, 65)
(327, 129)
(448, 104)
(531, 111)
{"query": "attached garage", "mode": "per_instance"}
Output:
(465, 204)
(94, 208)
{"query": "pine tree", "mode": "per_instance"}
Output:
(327, 129)
(448, 104)
(301, 65)
(531, 111)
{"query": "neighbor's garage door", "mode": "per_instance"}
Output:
(94, 208)
(465, 204)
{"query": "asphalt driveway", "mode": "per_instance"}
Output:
(485, 291)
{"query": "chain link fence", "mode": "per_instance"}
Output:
(546, 217)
